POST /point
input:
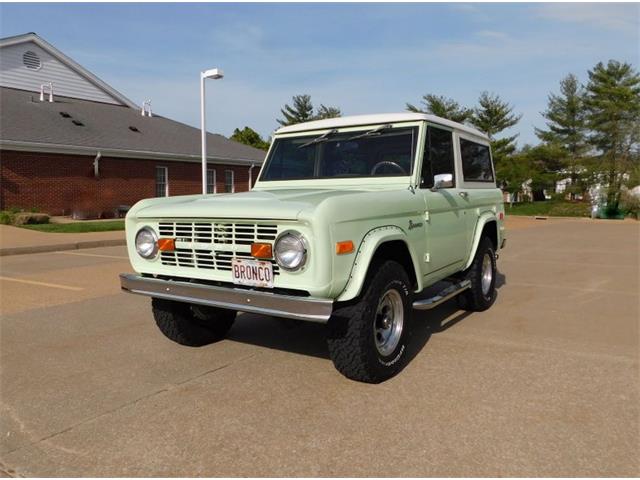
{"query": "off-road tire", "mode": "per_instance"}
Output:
(191, 326)
(474, 299)
(351, 337)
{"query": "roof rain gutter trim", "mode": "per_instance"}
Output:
(114, 152)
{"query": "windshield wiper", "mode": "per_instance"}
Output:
(369, 133)
(319, 139)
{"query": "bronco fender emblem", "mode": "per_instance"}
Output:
(414, 225)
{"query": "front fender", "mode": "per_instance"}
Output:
(370, 243)
(483, 219)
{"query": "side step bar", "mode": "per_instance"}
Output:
(443, 296)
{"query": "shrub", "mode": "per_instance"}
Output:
(6, 218)
(630, 204)
(30, 218)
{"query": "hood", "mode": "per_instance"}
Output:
(262, 204)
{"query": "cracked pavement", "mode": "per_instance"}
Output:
(545, 383)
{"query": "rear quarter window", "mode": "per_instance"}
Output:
(476, 162)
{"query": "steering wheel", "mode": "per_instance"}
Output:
(385, 163)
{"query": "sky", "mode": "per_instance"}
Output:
(363, 58)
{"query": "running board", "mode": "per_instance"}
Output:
(443, 296)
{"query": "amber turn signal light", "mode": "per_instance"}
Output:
(166, 244)
(344, 247)
(261, 250)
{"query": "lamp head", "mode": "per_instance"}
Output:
(214, 73)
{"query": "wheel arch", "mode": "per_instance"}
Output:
(487, 226)
(388, 242)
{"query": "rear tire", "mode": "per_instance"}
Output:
(191, 325)
(368, 339)
(482, 274)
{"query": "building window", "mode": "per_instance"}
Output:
(228, 181)
(162, 182)
(211, 180)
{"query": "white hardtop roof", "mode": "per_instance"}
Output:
(380, 118)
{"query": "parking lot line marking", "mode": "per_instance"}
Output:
(41, 284)
(92, 255)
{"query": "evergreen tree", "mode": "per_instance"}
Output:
(327, 112)
(250, 137)
(492, 116)
(566, 126)
(442, 106)
(612, 104)
(302, 111)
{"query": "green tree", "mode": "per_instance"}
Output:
(250, 137)
(492, 116)
(566, 126)
(327, 112)
(442, 106)
(612, 104)
(535, 166)
(302, 111)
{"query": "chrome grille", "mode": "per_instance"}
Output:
(216, 243)
(218, 232)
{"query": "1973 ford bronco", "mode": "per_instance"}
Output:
(350, 220)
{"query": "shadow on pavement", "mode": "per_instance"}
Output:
(306, 338)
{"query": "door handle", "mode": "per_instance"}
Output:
(464, 195)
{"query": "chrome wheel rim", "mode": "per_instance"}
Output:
(387, 328)
(487, 274)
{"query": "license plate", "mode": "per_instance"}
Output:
(254, 273)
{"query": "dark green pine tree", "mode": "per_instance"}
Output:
(566, 126)
(300, 111)
(327, 112)
(612, 104)
(492, 116)
(249, 136)
(442, 106)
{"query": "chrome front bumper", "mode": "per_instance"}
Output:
(297, 308)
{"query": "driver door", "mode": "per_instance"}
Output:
(445, 212)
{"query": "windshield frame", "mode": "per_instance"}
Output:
(325, 182)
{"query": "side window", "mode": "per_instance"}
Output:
(438, 155)
(162, 182)
(211, 180)
(229, 186)
(476, 162)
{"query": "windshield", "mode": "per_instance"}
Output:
(381, 152)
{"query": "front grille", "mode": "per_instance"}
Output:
(214, 244)
(219, 232)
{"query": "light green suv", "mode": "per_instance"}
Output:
(350, 220)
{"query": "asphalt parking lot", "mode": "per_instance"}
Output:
(546, 383)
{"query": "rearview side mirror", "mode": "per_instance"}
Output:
(442, 180)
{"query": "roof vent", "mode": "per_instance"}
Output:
(78, 123)
(133, 129)
(65, 115)
(146, 109)
(31, 60)
(43, 88)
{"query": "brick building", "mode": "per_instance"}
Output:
(90, 151)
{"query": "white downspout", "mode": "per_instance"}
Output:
(251, 176)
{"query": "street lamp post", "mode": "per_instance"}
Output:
(215, 74)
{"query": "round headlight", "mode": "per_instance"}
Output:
(291, 251)
(146, 242)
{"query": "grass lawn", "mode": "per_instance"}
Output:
(77, 227)
(550, 208)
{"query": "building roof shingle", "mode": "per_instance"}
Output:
(112, 129)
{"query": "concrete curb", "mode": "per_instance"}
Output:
(62, 246)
